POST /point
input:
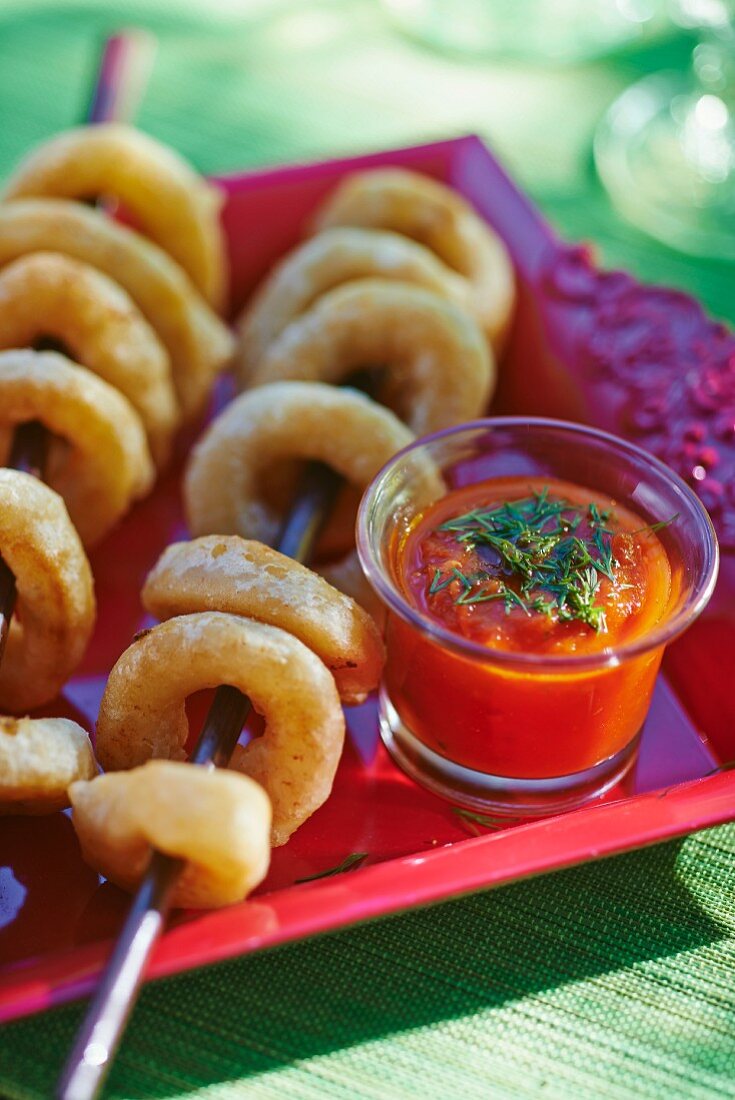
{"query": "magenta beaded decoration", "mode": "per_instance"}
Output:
(655, 368)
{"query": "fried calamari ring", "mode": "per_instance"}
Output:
(437, 217)
(218, 821)
(243, 471)
(55, 606)
(171, 203)
(142, 712)
(438, 370)
(197, 341)
(39, 758)
(227, 573)
(50, 295)
(101, 463)
(326, 261)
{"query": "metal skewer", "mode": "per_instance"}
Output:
(102, 1028)
(123, 70)
(122, 73)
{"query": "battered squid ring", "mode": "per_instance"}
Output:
(227, 573)
(56, 607)
(197, 341)
(438, 368)
(172, 203)
(324, 262)
(142, 712)
(102, 463)
(50, 295)
(218, 821)
(39, 758)
(242, 473)
(437, 217)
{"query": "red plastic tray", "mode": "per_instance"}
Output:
(57, 918)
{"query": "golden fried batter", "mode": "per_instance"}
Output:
(437, 370)
(39, 758)
(218, 821)
(55, 607)
(100, 462)
(142, 713)
(170, 202)
(330, 259)
(197, 341)
(242, 577)
(243, 472)
(47, 295)
(441, 220)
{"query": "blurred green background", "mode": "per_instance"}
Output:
(245, 82)
(611, 980)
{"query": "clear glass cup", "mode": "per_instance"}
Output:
(516, 732)
(665, 150)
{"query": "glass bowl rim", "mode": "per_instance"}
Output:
(604, 658)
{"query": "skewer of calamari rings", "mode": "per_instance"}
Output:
(243, 472)
(242, 577)
(199, 344)
(441, 220)
(101, 464)
(142, 713)
(324, 262)
(170, 202)
(39, 758)
(218, 821)
(47, 294)
(437, 367)
(56, 606)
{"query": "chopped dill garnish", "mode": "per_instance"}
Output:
(349, 863)
(471, 819)
(654, 527)
(535, 541)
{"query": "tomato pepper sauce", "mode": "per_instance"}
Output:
(527, 567)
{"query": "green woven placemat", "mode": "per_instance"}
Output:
(612, 980)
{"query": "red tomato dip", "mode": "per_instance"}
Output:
(527, 567)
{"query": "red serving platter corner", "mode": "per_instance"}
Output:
(57, 918)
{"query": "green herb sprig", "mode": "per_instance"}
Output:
(471, 820)
(349, 863)
(535, 540)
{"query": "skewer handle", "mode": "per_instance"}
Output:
(107, 1015)
(100, 1034)
(122, 75)
(119, 81)
(90, 1056)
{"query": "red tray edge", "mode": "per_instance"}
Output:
(380, 890)
(300, 169)
(460, 868)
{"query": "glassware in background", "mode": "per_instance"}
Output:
(665, 151)
(543, 30)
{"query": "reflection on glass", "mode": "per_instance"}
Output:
(549, 30)
(666, 149)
